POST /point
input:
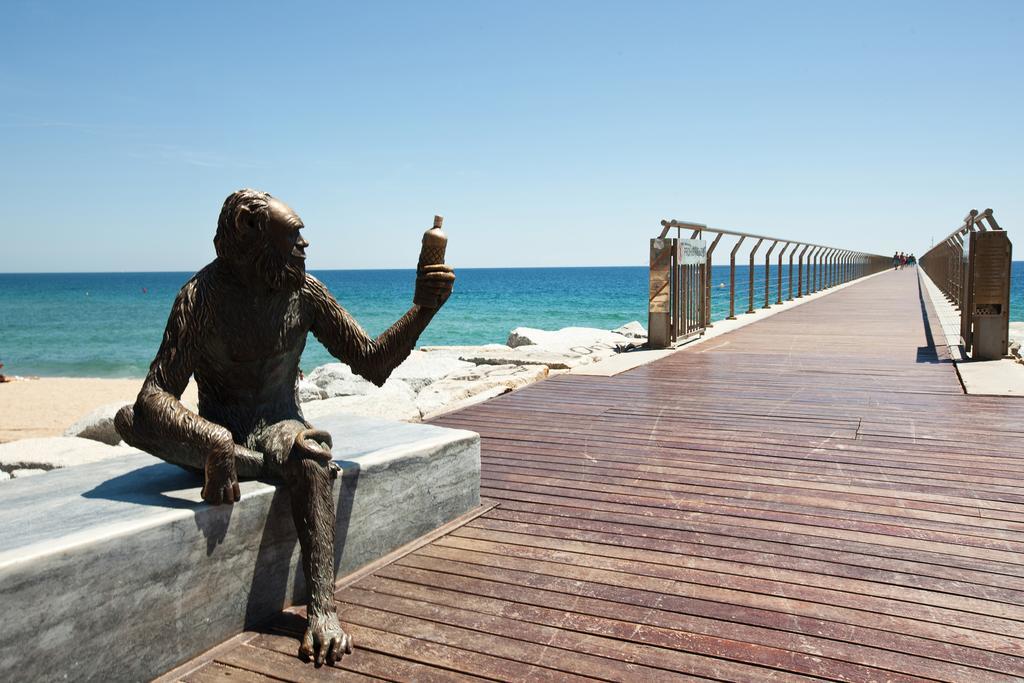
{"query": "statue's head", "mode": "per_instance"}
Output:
(259, 234)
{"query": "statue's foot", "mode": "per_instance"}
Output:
(324, 640)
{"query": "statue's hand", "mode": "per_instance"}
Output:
(434, 283)
(221, 479)
(324, 639)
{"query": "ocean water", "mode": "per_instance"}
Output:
(110, 324)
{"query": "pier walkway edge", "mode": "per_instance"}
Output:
(810, 496)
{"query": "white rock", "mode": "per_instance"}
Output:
(511, 376)
(527, 355)
(4, 476)
(98, 425)
(337, 379)
(457, 351)
(633, 330)
(54, 452)
(444, 396)
(392, 401)
(1017, 332)
(27, 472)
(467, 387)
(383, 406)
(309, 391)
(584, 341)
(422, 368)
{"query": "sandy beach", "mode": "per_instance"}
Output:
(49, 405)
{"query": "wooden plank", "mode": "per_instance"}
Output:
(215, 672)
(418, 642)
(601, 570)
(878, 533)
(370, 662)
(649, 564)
(873, 544)
(286, 667)
(693, 633)
(560, 649)
(720, 541)
(696, 613)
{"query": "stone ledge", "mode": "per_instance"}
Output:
(117, 571)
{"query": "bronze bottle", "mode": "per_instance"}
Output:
(431, 254)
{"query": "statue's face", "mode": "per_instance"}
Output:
(281, 260)
(283, 226)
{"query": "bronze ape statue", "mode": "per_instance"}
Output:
(240, 325)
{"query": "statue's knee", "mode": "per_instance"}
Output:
(313, 443)
(310, 457)
(124, 423)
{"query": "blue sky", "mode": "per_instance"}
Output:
(547, 133)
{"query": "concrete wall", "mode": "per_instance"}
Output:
(117, 571)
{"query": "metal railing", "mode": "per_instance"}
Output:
(971, 267)
(680, 297)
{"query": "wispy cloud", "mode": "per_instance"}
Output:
(177, 154)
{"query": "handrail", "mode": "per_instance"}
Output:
(818, 267)
(700, 227)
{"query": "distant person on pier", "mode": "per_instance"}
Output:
(895, 260)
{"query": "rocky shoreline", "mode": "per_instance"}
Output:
(434, 380)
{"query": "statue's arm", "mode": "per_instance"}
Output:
(346, 340)
(158, 409)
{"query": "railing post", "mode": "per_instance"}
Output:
(817, 268)
(956, 268)
(732, 279)
(768, 273)
(791, 255)
(778, 287)
(750, 306)
(800, 274)
(707, 281)
(660, 302)
(812, 270)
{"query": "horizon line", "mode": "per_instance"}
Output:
(309, 270)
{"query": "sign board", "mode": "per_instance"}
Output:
(692, 252)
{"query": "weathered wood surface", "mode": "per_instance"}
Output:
(808, 497)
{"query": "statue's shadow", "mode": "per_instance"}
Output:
(163, 485)
(269, 592)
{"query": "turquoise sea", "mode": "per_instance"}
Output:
(110, 324)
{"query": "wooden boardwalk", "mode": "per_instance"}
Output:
(811, 496)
